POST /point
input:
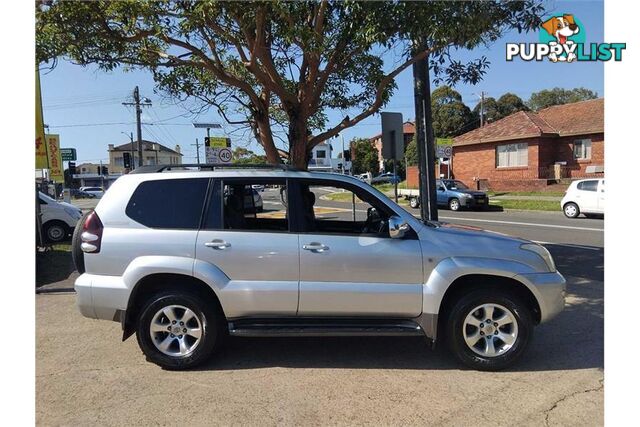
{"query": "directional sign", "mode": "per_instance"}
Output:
(68, 154)
(217, 142)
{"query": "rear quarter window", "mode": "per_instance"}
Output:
(170, 203)
(588, 185)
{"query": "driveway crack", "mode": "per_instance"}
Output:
(568, 396)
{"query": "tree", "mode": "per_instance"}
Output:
(365, 156)
(243, 155)
(278, 64)
(451, 117)
(411, 152)
(558, 96)
(510, 103)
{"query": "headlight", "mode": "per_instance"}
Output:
(542, 252)
(73, 213)
(466, 196)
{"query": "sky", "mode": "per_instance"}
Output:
(84, 105)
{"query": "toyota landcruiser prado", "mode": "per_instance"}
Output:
(182, 259)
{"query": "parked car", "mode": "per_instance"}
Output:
(584, 196)
(177, 259)
(75, 193)
(451, 193)
(96, 191)
(366, 177)
(58, 218)
(386, 178)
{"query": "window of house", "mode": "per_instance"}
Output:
(321, 154)
(252, 205)
(171, 203)
(118, 161)
(367, 215)
(511, 155)
(582, 149)
(591, 185)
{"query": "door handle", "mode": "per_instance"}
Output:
(217, 244)
(315, 247)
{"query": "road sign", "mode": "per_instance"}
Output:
(68, 154)
(444, 147)
(392, 136)
(217, 142)
(225, 155)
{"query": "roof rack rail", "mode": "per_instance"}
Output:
(209, 166)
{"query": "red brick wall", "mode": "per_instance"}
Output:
(413, 178)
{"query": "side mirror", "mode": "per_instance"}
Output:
(397, 227)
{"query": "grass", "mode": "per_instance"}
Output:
(529, 205)
(526, 193)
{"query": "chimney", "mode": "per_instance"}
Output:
(110, 147)
(177, 149)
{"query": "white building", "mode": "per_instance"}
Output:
(322, 160)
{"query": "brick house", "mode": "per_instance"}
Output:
(529, 150)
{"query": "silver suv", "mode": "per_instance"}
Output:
(183, 259)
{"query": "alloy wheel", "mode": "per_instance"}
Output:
(570, 211)
(175, 330)
(490, 330)
(55, 233)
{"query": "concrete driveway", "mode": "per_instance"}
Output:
(86, 376)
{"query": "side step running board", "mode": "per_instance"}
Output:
(271, 328)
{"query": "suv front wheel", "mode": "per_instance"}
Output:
(178, 330)
(489, 329)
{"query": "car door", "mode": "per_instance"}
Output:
(349, 266)
(441, 193)
(252, 246)
(601, 196)
(587, 195)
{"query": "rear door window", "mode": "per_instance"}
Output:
(169, 203)
(588, 185)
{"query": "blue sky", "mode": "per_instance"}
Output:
(75, 96)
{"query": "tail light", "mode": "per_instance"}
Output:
(91, 236)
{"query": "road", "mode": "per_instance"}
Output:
(86, 376)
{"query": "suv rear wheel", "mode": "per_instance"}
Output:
(489, 329)
(178, 330)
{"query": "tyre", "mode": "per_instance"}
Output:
(178, 330)
(76, 252)
(55, 231)
(414, 202)
(492, 345)
(571, 210)
(454, 204)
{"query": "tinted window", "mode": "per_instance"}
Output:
(588, 185)
(237, 206)
(170, 203)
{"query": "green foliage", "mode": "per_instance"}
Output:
(243, 155)
(411, 152)
(365, 156)
(450, 115)
(558, 96)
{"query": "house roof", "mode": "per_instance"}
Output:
(146, 146)
(578, 118)
(407, 128)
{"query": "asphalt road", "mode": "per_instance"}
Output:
(85, 375)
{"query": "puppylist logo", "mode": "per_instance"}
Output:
(562, 39)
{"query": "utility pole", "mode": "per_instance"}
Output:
(137, 104)
(481, 96)
(424, 135)
(197, 144)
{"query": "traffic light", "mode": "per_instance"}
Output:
(126, 157)
(72, 168)
(346, 155)
(105, 170)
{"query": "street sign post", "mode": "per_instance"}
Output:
(217, 149)
(392, 142)
(68, 154)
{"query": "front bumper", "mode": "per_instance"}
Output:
(550, 291)
(474, 202)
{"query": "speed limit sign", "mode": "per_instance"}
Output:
(224, 155)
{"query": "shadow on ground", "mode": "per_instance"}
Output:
(53, 265)
(573, 340)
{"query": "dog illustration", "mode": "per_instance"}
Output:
(561, 27)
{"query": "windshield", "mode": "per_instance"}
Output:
(455, 185)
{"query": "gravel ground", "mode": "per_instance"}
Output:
(85, 375)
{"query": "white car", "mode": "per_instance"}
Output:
(584, 196)
(58, 218)
(96, 191)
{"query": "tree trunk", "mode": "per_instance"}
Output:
(262, 131)
(298, 139)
